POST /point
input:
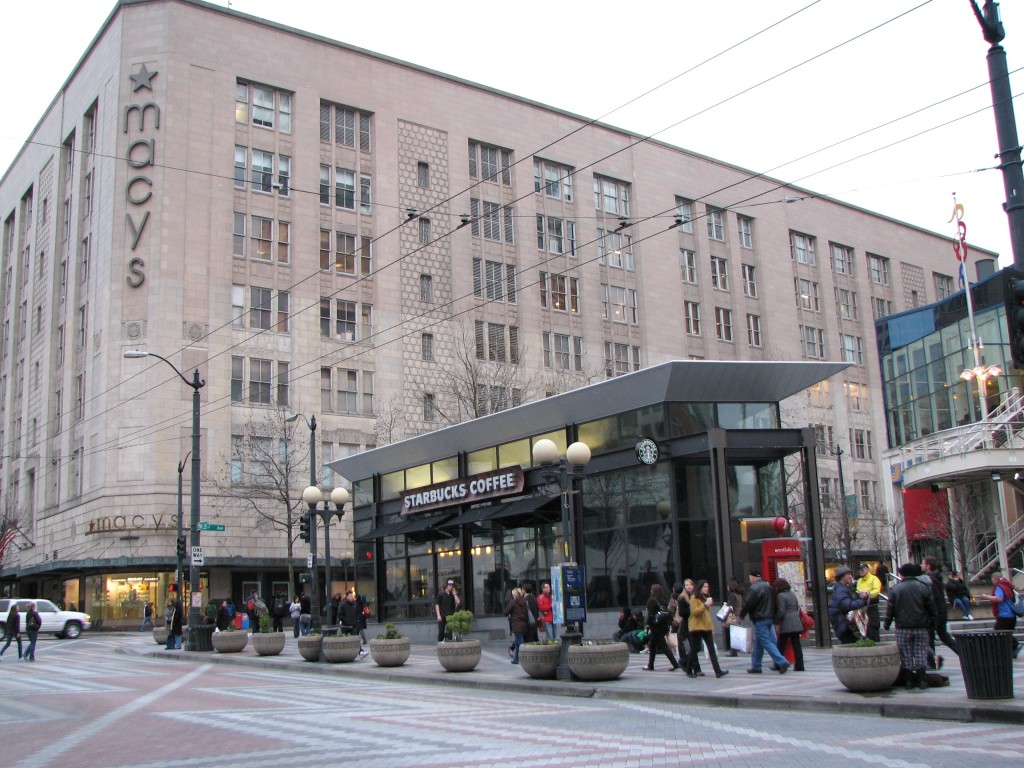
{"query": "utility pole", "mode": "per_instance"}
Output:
(1006, 125)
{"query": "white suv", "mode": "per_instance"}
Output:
(55, 621)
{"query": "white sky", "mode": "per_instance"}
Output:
(591, 57)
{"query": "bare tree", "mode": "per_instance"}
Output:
(968, 524)
(387, 426)
(471, 387)
(270, 462)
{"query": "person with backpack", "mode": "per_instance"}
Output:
(33, 623)
(659, 622)
(279, 611)
(13, 629)
(1004, 606)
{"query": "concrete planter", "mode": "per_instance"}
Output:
(863, 670)
(597, 662)
(268, 643)
(229, 642)
(540, 661)
(160, 635)
(390, 653)
(342, 649)
(459, 656)
(309, 647)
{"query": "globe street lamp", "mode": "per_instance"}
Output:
(313, 496)
(563, 472)
(194, 616)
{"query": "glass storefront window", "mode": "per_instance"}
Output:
(417, 477)
(120, 599)
(606, 553)
(481, 461)
(748, 416)
(558, 438)
(391, 485)
(601, 435)
(362, 493)
(445, 469)
(643, 422)
(516, 453)
(689, 418)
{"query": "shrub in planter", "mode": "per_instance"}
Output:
(390, 649)
(458, 655)
(540, 660)
(866, 666)
(229, 641)
(265, 642)
(598, 661)
(310, 647)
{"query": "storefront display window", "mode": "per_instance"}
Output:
(120, 599)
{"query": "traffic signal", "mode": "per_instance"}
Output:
(1014, 301)
(181, 548)
(304, 527)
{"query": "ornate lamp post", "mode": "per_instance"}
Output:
(563, 472)
(194, 616)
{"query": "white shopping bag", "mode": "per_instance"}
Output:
(741, 638)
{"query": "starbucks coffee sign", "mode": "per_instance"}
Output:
(464, 490)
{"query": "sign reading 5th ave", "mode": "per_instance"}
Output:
(205, 526)
(464, 490)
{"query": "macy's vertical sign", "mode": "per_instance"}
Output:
(141, 158)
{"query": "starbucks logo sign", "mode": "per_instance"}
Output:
(647, 450)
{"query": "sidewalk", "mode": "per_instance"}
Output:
(815, 690)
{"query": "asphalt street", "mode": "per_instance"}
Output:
(117, 700)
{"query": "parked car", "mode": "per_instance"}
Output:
(68, 624)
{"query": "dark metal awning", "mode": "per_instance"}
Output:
(516, 508)
(405, 526)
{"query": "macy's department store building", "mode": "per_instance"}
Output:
(688, 472)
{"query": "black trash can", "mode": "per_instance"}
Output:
(986, 660)
(200, 638)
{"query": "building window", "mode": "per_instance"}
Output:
(615, 250)
(341, 121)
(754, 330)
(688, 266)
(238, 306)
(818, 394)
(860, 444)
(429, 407)
(426, 288)
(846, 304)
(611, 196)
(282, 318)
(807, 294)
(813, 342)
(619, 304)
(238, 235)
(490, 342)
(494, 280)
(365, 196)
(490, 163)
(852, 348)
(552, 179)
(716, 223)
(241, 161)
(559, 292)
(878, 269)
(719, 274)
(424, 231)
(749, 281)
(691, 310)
(79, 401)
(261, 381)
(856, 395)
(269, 106)
(550, 229)
(802, 248)
(325, 184)
(723, 323)
(284, 230)
(684, 213)
(262, 234)
(427, 346)
(344, 189)
(345, 253)
(745, 227)
(86, 196)
(620, 359)
(262, 170)
(260, 308)
(842, 259)
(347, 400)
(943, 286)
(423, 175)
(563, 352)
(284, 175)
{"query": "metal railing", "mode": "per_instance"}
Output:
(989, 554)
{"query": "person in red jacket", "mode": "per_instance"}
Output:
(1002, 599)
(546, 626)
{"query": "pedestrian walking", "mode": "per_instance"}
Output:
(912, 607)
(33, 623)
(295, 611)
(759, 605)
(546, 624)
(223, 620)
(278, 612)
(533, 616)
(735, 601)
(787, 616)
(683, 619)
(1002, 599)
(446, 603)
(659, 620)
(933, 580)
(305, 614)
(516, 609)
(702, 631)
(13, 632)
(147, 617)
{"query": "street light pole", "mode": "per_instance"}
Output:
(194, 616)
(564, 472)
(180, 573)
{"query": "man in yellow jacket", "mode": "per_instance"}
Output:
(869, 583)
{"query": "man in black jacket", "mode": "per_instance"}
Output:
(912, 607)
(759, 605)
